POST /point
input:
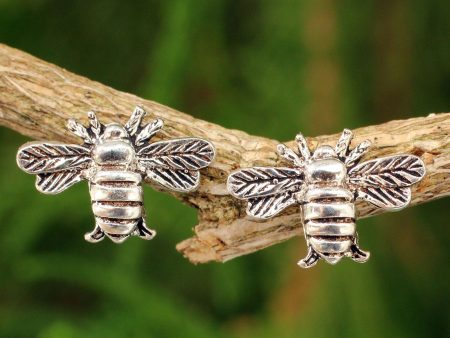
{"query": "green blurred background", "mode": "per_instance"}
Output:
(270, 68)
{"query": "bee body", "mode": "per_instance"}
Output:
(329, 209)
(116, 192)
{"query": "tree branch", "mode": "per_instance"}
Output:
(37, 98)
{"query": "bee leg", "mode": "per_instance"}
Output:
(310, 260)
(95, 235)
(359, 255)
(144, 232)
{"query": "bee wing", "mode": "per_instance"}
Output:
(37, 157)
(385, 182)
(57, 165)
(268, 206)
(54, 183)
(383, 197)
(268, 190)
(175, 163)
(178, 180)
(263, 181)
(392, 171)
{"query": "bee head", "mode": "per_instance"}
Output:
(324, 152)
(114, 131)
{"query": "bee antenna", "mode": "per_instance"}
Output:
(135, 120)
(95, 124)
(302, 146)
(289, 155)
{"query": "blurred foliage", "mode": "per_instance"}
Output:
(267, 67)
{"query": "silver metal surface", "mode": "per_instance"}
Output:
(323, 228)
(329, 209)
(115, 159)
(326, 184)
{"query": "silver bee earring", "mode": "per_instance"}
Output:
(326, 184)
(115, 159)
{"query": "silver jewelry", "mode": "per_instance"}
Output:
(326, 184)
(115, 159)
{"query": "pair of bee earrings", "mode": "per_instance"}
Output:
(116, 159)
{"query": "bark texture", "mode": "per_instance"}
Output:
(37, 98)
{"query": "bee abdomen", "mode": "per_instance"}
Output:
(329, 193)
(116, 226)
(329, 217)
(329, 245)
(330, 228)
(117, 194)
(329, 210)
(117, 200)
(116, 210)
(117, 176)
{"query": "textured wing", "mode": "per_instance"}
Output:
(37, 158)
(264, 181)
(179, 154)
(178, 180)
(268, 190)
(54, 183)
(385, 182)
(392, 171)
(58, 166)
(383, 197)
(268, 206)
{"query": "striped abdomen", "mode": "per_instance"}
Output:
(329, 218)
(117, 200)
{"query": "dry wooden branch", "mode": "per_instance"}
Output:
(37, 98)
